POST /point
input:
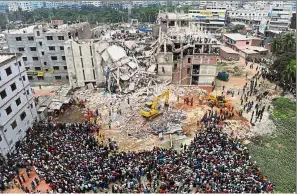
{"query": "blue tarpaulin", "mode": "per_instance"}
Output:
(144, 30)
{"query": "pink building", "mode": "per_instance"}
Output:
(236, 41)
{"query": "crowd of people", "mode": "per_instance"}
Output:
(70, 159)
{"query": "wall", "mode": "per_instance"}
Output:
(207, 66)
(90, 70)
(226, 55)
(10, 136)
(256, 42)
(166, 64)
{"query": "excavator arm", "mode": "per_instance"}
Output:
(155, 102)
(150, 110)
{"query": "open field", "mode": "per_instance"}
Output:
(276, 154)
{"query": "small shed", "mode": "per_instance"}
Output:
(226, 53)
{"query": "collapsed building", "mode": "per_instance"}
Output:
(183, 56)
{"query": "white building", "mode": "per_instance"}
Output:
(84, 62)
(17, 108)
(42, 47)
(280, 19)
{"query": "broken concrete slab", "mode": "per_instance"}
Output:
(132, 65)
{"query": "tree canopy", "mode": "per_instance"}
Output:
(284, 48)
(90, 13)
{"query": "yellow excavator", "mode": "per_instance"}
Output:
(150, 108)
(218, 101)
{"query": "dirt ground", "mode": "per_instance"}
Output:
(72, 115)
(43, 187)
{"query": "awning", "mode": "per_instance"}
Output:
(217, 23)
(40, 73)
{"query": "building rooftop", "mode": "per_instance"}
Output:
(27, 30)
(49, 29)
(228, 50)
(236, 36)
(8, 57)
(208, 10)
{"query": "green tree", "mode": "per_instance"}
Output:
(276, 46)
(288, 74)
(289, 41)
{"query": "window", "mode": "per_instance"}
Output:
(23, 115)
(38, 33)
(40, 43)
(18, 101)
(18, 38)
(0, 138)
(13, 87)
(30, 78)
(63, 57)
(21, 49)
(56, 68)
(30, 38)
(91, 50)
(54, 58)
(8, 110)
(65, 67)
(61, 48)
(35, 58)
(58, 77)
(188, 70)
(46, 69)
(94, 74)
(189, 60)
(84, 75)
(44, 63)
(28, 92)
(42, 53)
(247, 43)
(27, 68)
(37, 68)
(67, 77)
(80, 50)
(8, 71)
(25, 59)
(14, 125)
(60, 37)
(31, 105)
(24, 78)
(175, 66)
(82, 64)
(33, 48)
(49, 38)
(92, 62)
(51, 48)
(20, 64)
(3, 94)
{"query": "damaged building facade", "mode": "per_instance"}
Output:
(188, 60)
(42, 48)
(83, 62)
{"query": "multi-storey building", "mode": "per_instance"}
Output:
(17, 108)
(42, 47)
(83, 62)
(280, 19)
(188, 60)
(212, 21)
(249, 17)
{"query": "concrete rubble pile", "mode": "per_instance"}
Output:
(169, 123)
(126, 72)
